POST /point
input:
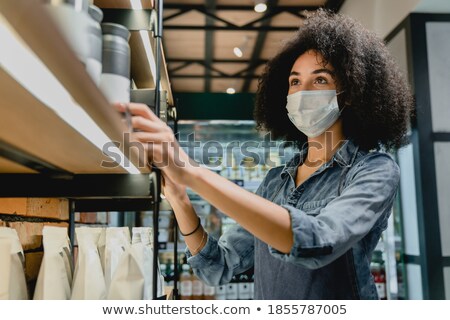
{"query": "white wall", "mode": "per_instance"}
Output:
(381, 16)
(433, 6)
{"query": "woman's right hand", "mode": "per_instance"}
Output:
(159, 143)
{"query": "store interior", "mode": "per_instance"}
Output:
(74, 187)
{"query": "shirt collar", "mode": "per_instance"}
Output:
(345, 156)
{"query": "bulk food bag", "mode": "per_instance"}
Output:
(55, 274)
(101, 246)
(88, 280)
(145, 236)
(12, 276)
(127, 282)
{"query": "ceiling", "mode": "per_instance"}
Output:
(199, 37)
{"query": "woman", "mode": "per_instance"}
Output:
(310, 229)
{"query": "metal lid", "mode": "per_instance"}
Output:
(115, 29)
(96, 13)
(79, 5)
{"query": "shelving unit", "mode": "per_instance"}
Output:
(55, 124)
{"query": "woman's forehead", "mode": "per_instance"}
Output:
(311, 59)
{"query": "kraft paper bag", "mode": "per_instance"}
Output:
(88, 280)
(145, 236)
(101, 246)
(117, 242)
(55, 274)
(127, 281)
(13, 285)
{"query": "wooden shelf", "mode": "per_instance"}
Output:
(34, 128)
(123, 4)
(7, 166)
(141, 71)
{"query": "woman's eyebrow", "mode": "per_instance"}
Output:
(323, 70)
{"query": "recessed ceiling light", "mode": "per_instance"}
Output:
(260, 6)
(231, 90)
(238, 52)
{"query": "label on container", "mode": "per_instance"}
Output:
(381, 289)
(197, 288)
(94, 69)
(115, 88)
(208, 290)
(232, 291)
(221, 292)
(186, 288)
(244, 291)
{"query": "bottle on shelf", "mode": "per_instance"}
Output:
(221, 292)
(232, 289)
(170, 274)
(252, 287)
(197, 288)
(379, 274)
(243, 287)
(185, 283)
(208, 292)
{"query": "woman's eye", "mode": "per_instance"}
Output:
(294, 82)
(321, 80)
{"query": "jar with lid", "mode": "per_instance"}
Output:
(94, 59)
(72, 19)
(115, 78)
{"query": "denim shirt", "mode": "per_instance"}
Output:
(337, 217)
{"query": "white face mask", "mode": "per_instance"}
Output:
(313, 111)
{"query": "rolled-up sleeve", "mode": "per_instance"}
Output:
(219, 260)
(368, 196)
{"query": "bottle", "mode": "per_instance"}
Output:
(185, 283)
(208, 292)
(243, 287)
(232, 289)
(94, 59)
(170, 273)
(221, 292)
(379, 274)
(197, 288)
(115, 77)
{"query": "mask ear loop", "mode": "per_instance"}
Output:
(340, 111)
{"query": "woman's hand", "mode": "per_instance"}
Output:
(159, 142)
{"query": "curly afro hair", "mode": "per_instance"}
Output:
(378, 100)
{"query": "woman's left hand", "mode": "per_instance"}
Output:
(159, 142)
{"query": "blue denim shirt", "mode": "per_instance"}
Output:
(337, 216)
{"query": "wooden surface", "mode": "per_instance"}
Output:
(140, 66)
(122, 4)
(29, 125)
(35, 129)
(7, 166)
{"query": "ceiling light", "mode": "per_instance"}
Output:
(231, 90)
(238, 52)
(260, 6)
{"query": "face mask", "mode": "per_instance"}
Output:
(313, 111)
